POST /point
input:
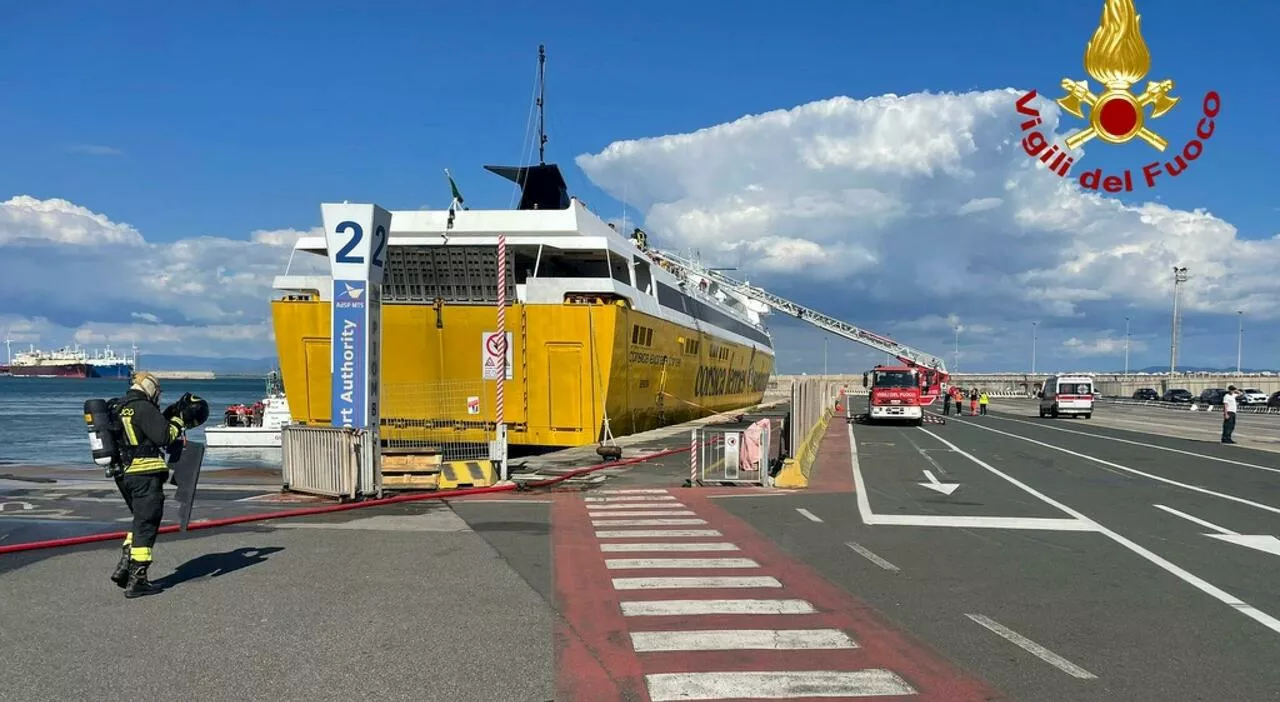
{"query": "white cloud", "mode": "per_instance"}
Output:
(72, 275)
(926, 205)
(94, 150)
(1103, 346)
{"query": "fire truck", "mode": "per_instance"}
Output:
(927, 373)
(895, 392)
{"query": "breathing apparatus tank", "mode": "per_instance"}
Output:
(102, 441)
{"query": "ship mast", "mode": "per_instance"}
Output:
(542, 92)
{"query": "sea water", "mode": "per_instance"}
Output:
(42, 419)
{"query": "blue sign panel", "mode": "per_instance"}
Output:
(350, 331)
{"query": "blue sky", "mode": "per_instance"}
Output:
(185, 121)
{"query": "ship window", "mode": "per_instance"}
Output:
(618, 269)
(635, 333)
(573, 264)
(644, 281)
(691, 346)
(648, 337)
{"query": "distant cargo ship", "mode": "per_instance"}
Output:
(69, 362)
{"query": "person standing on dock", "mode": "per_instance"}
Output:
(1229, 414)
(147, 433)
(983, 401)
(946, 403)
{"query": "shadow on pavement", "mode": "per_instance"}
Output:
(215, 564)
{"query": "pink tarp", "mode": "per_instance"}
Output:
(749, 456)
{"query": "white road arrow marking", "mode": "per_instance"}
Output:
(4, 506)
(1260, 542)
(933, 484)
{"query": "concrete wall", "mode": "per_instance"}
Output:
(1109, 383)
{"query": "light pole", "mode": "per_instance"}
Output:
(956, 362)
(1179, 277)
(1033, 347)
(1126, 347)
(824, 355)
(1239, 340)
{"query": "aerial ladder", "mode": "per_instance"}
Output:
(933, 369)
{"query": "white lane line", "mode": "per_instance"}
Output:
(631, 498)
(666, 608)
(638, 505)
(761, 493)
(1135, 471)
(1197, 520)
(717, 546)
(655, 533)
(635, 491)
(809, 515)
(717, 582)
(938, 520)
(636, 563)
(740, 640)
(781, 685)
(646, 522)
(1032, 647)
(1186, 576)
(653, 513)
(1144, 445)
(867, 554)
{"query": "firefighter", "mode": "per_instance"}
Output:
(147, 434)
(946, 403)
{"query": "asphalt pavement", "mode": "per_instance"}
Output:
(989, 558)
(1069, 561)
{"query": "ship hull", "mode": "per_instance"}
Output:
(69, 370)
(111, 370)
(572, 365)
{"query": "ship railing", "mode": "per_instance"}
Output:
(323, 461)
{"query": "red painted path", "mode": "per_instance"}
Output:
(612, 644)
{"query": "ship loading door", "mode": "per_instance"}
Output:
(565, 381)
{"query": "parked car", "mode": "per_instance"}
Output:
(1212, 396)
(1177, 395)
(1146, 394)
(1253, 396)
(1274, 400)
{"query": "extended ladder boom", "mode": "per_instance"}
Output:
(822, 321)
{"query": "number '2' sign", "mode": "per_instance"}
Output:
(356, 237)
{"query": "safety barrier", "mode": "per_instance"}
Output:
(730, 456)
(321, 460)
(1192, 406)
(812, 404)
(452, 419)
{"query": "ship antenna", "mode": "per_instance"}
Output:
(542, 92)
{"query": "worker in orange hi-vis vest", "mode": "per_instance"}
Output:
(973, 402)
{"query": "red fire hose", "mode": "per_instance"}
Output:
(307, 511)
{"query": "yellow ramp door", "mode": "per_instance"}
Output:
(566, 380)
(319, 379)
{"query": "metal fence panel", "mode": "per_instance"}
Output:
(451, 418)
(320, 460)
(731, 456)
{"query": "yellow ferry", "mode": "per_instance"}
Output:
(597, 325)
(600, 328)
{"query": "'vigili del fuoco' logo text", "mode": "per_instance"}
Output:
(1117, 57)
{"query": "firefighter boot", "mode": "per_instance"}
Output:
(139, 586)
(121, 574)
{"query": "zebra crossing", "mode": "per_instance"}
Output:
(708, 621)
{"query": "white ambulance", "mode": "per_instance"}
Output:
(1067, 395)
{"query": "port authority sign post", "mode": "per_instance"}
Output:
(356, 237)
